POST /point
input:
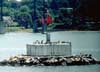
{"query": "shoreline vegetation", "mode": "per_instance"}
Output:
(17, 29)
(66, 17)
(30, 30)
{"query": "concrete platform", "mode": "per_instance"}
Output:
(52, 49)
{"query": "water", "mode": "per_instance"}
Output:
(12, 44)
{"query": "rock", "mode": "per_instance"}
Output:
(97, 62)
(4, 62)
(64, 63)
(50, 61)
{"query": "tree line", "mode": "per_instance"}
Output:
(23, 13)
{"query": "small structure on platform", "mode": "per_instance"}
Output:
(48, 48)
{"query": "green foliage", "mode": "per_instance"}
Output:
(6, 3)
(12, 13)
(5, 11)
(22, 12)
(24, 8)
(23, 17)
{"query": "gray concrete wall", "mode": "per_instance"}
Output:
(49, 50)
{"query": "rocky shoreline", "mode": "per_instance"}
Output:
(22, 60)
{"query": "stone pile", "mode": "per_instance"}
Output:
(50, 61)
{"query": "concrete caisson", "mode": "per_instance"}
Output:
(59, 49)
